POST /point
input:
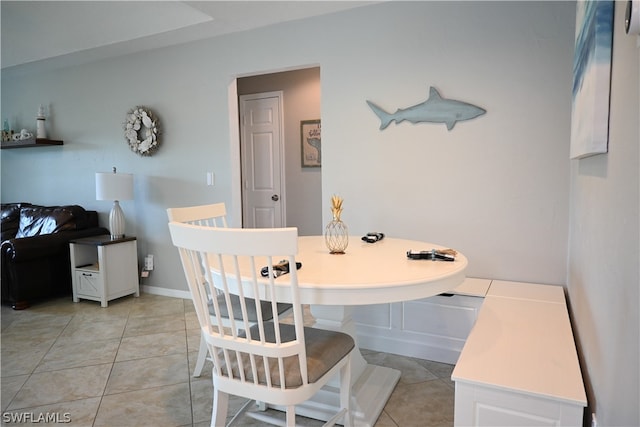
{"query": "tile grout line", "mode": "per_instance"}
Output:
(115, 357)
(30, 374)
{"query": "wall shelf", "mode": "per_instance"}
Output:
(39, 142)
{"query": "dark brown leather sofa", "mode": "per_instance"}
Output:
(35, 249)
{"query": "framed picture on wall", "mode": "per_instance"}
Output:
(311, 141)
(591, 78)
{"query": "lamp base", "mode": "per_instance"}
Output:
(116, 221)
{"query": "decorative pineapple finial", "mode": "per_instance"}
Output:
(336, 207)
(336, 234)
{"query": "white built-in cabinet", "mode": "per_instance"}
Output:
(434, 328)
(519, 366)
(512, 344)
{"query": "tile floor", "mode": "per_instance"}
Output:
(129, 365)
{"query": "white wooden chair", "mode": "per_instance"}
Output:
(211, 215)
(280, 364)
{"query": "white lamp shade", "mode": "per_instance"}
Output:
(114, 186)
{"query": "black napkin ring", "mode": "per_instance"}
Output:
(433, 255)
(373, 237)
(279, 269)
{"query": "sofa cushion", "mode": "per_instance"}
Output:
(35, 221)
(10, 219)
(10, 212)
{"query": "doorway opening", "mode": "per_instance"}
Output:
(301, 197)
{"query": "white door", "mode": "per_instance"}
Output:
(262, 150)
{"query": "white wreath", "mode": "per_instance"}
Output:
(137, 119)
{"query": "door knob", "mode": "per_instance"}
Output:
(275, 198)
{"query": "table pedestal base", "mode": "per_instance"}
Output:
(369, 396)
(371, 386)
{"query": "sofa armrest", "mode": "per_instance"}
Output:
(28, 248)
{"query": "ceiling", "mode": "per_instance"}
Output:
(39, 33)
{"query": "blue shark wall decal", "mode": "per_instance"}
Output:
(436, 109)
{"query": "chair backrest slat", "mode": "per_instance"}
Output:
(229, 260)
(213, 215)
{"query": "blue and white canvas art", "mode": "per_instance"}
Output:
(591, 78)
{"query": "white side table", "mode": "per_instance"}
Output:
(104, 269)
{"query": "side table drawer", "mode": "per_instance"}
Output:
(88, 283)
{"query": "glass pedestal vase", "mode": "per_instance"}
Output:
(336, 236)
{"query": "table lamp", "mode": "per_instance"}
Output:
(115, 186)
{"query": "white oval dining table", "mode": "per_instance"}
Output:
(367, 273)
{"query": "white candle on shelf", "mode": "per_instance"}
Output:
(40, 130)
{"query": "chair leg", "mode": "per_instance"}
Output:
(220, 406)
(291, 416)
(202, 357)
(345, 392)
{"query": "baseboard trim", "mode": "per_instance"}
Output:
(175, 293)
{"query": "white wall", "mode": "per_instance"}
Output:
(604, 254)
(495, 188)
